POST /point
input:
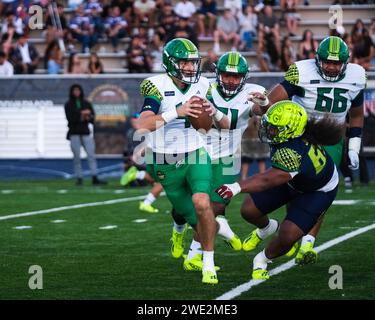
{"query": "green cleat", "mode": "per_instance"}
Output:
(260, 274)
(234, 243)
(147, 208)
(129, 176)
(251, 242)
(306, 254)
(293, 250)
(178, 242)
(195, 263)
(209, 277)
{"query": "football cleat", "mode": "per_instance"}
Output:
(195, 263)
(260, 274)
(251, 242)
(178, 242)
(306, 254)
(209, 277)
(129, 176)
(293, 250)
(234, 243)
(147, 208)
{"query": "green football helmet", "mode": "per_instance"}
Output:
(231, 63)
(176, 51)
(332, 49)
(284, 120)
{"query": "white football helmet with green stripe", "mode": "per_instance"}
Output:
(176, 51)
(332, 49)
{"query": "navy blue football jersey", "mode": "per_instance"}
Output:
(312, 165)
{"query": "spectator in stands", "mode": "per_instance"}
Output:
(363, 47)
(288, 54)
(227, 30)
(207, 12)
(94, 66)
(6, 43)
(126, 8)
(308, 45)
(8, 5)
(156, 53)
(24, 56)
(12, 22)
(209, 64)
(80, 113)
(139, 60)
(115, 27)
(83, 29)
(52, 31)
(235, 6)
(96, 19)
(183, 30)
(363, 50)
(53, 58)
(144, 12)
(185, 9)
(248, 21)
(269, 28)
(167, 21)
(289, 10)
(6, 68)
(74, 64)
(268, 55)
(93, 4)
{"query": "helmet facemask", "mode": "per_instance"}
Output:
(269, 133)
(230, 89)
(332, 78)
(189, 77)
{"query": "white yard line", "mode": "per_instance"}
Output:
(235, 292)
(76, 206)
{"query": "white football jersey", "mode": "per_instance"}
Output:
(221, 143)
(177, 136)
(320, 96)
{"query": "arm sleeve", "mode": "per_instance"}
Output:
(150, 104)
(358, 100)
(291, 89)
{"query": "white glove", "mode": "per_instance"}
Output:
(353, 160)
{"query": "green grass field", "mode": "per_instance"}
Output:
(133, 261)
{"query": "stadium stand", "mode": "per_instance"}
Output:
(314, 17)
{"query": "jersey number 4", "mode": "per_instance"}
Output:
(326, 104)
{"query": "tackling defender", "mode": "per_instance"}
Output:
(329, 85)
(179, 161)
(301, 172)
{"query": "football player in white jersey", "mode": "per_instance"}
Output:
(229, 95)
(179, 160)
(326, 85)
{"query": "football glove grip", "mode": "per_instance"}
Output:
(228, 191)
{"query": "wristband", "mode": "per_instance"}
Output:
(169, 115)
(355, 132)
(355, 144)
(218, 115)
(235, 187)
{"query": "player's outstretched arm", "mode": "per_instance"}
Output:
(257, 183)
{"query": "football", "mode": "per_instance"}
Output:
(204, 121)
